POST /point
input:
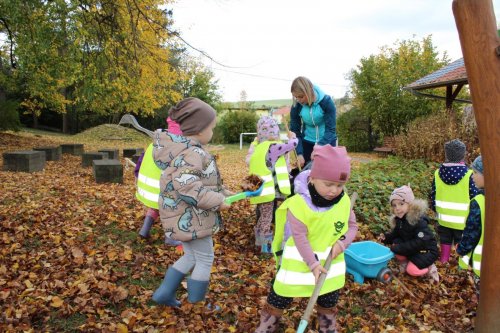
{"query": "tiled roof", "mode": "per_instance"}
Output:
(282, 111)
(453, 73)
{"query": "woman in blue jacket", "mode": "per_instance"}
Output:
(312, 118)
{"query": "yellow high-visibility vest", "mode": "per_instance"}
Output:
(294, 278)
(452, 202)
(148, 180)
(464, 261)
(258, 167)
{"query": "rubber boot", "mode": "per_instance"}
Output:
(258, 238)
(146, 226)
(269, 319)
(445, 253)
(433, 274)
(267, 241)
(196, 290)
(165, 294)
(327, 319)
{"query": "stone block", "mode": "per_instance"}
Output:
(90, 156)
(72, 148)
(113, 154)
(130, 152)
(52, 153)
(24, 160)
(107, 171)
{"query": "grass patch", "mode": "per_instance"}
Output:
(66, 323)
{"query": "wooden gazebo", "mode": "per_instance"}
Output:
(452, 76)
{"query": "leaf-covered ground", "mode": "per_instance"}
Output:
(71, 260)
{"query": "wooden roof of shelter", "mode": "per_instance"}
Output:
(450, 75)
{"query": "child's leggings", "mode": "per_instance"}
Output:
(154, 213)
(411, 268)
(198, 256)
(328, 300)
(265, 215)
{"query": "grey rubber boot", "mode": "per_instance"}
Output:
(146, 227)
(196, 290)
(165, 294)
(269, 319)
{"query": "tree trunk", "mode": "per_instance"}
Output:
(476, 24)
(35, 120)
(65, 122)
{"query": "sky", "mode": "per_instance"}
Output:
(260, 46)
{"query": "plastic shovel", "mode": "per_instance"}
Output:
(310, 305)
(243, 195)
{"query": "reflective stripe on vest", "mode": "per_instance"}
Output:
(452, 201)
(294, 278)
(258, 167)
(464, 261)
(148, 180)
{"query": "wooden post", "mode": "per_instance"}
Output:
(476, 24)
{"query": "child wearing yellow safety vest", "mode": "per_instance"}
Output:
(471, 246)
(148, 185)
(452, 190)
(268, 162)
(317, 219)
(191, 197)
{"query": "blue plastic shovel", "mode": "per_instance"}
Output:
(243, 195)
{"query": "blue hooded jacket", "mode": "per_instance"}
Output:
(315, 124)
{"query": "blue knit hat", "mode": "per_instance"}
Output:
(477, 165)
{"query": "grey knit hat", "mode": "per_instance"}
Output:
(454, 151)
(192, 114)
(477, 165)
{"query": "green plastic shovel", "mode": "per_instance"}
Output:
(243, 195)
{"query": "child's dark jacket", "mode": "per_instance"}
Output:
(412, 237)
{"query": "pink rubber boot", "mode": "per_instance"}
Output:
(445, 253)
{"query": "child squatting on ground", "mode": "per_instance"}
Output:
(148, 175)
(308, 225)
(190, 199)
(471, 246)
(452, 190)
(268, 162)
(411, 239)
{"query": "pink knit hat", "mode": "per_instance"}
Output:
(330, 163)
(173, 127)
(267, 128)
(403, 193)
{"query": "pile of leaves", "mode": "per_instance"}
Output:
(71, 260)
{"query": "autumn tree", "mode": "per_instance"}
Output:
(104, 57)
(377, 84)
(197, 80)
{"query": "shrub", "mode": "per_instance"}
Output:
(425, 137)
(353, 131)
(235, 122)
(375, 181)
(9, 117)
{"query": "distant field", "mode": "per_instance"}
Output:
(271, 103)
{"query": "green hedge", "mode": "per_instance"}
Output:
(375, 181)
